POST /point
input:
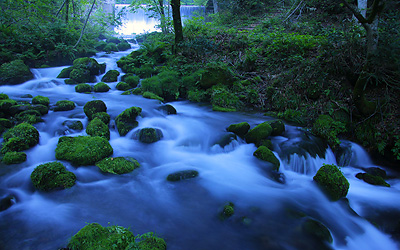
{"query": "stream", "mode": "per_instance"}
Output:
(270, 207)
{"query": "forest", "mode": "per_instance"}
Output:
(317, 81)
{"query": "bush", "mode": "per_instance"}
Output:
(123, 46)
(328, 128)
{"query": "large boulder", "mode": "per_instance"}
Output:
(89, 64)
(65, 72)
(126, 121)
(80, 75)
(239, 129)
(83, 88)
(278, 127)
(97, 127)
(51, 176)
(123, 86)
(14, 72)
(332, 181)
(83, 150)
(265, 154)
(93, 107)
(103, 116)
(29, 116)
(259, 133)
(20, 137)
(41, 100)
(118, 165)
(110, 76)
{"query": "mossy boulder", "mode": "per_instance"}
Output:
(317, 230)
(83, 150)
(118, 165)
(110, 47)
(332, 181)
(265, 154)
(259, 133)
(165, 84)
(126, 121)
(123, 46)
(52, 176)
(93, 107)
(150, 95)
(103, 116)
(65, 72)
(41, 100)
(6, 105)
(97, 127)
(14, 158)
(72, 124)
(20, 137)
(372, 179)
(14, 72)
(376, 171)
(29, 116)
(4, 124)
(239, 129)
(70, 81)
(168, 108)
(100, 45)
(278, 127)
(123, 86)
(149, 135)
(101, 87)
(182, 175)
(110, 76)
(83, 88)
(93, 236)
(131, 79)
(43, 110)
(64, 105)
(227, 211)
(150, 242)
(80, 75)
(89, 64)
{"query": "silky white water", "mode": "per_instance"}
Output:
(186, 213)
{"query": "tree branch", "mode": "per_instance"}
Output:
(84, 26)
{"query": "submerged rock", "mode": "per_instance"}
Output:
(51, 176)
(240, 129)
(14, 72)
(182, 175)
(318, 230)
(83, 150)
(168, 108)
(126, 121)
(226, 140)
(372, 179)
(265, 154)
(149, 135)
(332, 181)
(118, 165)
(72, 124)
(93, 107)
(227, 211)
(6, 202)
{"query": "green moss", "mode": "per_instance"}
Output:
(5, 106)
(239, 129)
(215, 73)
(14, 158)
(150, 95)
(145, 71)
(110, 76)
(123, 86)
(97, 127)
(88, 63)
(182, 175)
(327, 128)
(81, 75)
(29, 116)
(51, 176)
(3, 96)
(71, 124)
(26, 132)
(150, 242)
(278, 127)
(41, 100)
(221, 97)
(131, 79)
(64, 105)
(165, 84)
(265, 154)
(227, 211)
(317, 230)
(83, 88)
(93, 107)
(103, 116)
(65, 72)
(259, 133)
(100, 45)
(101, 87)
(372, 179)
(14, 72)
(41, 108)
(221, 109)
(118, 165)
(14, 144)
(126, 121)
(123, 46)
(70, 81)
(149, 135)
(83, 150)
(93, 237)
(110, 47)
(331, 180)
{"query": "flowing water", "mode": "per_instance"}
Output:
(270, 207)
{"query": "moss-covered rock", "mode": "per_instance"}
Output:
(29, 116)
(70, 81)
(278, 127)
(110, 47)
(110, 76)
(332, 181)
(43, 110)
(5, 106)
(65, 72)
(226, 140)
(150, 242)
(14, 144)
(81, 75)
(93, 236)
(222, 109)
(227, 211)
(97, 127)
(83, 150)
(259, 133)
(41, 100)
(89, 64)
(165, 84)
(239, 129)
(101, 87)
(328, 128)
(123, 86)
(265, 154)
(123, 46)
(27, 136)
(149, 135)
(93, 107)
(83, 88)
(118, 165)
(72, 124)
(4, 124)
(103, 116)
(3, 96)
(182, 175)
(14, 158)
(168, 108)
(6, 202)
(131, 79)
(100, 45)
(376, 172)
(51, 176)
(64, 105)
(318, 230)
(372, 179)
(214, 74)
(150, 95)
(126, 121)
(14, 72)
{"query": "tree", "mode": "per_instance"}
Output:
(370, 24)
(176, 16)
(156, 6)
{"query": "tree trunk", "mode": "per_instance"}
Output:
(162, 17)
(66, 11)
(84, 26)
(215, 4)
(176, 15)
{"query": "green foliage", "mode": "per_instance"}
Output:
(131, 79)
(222, 97)
(83, 150)
(166, 84)
(51, 176)
(227, 211)
(396, 148)
(332, 180)
(118, 165)
(328, 128)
